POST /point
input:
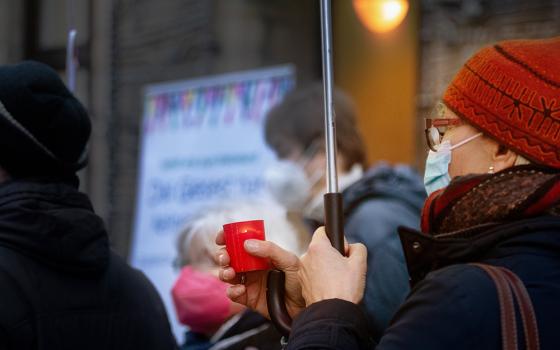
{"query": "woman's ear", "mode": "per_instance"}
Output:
(502, 157)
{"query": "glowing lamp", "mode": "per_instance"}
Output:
(381, 16)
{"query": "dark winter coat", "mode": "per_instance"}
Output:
(453, 305)
(61, 287)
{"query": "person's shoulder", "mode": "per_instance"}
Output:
(456, 272)
(127, 273)
(137, 295)
(132, 283)
(461, 289)
(385, 191)
(455, 302)
(377, 219)
(464, 281)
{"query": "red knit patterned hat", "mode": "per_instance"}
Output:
(511, 92)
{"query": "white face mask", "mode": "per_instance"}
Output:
(315, 209)
(287, 182)
(436, 175)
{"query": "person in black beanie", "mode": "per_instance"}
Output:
(61, 285)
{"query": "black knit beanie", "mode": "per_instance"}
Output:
(44, 129)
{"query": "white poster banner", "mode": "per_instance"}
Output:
(202, 143)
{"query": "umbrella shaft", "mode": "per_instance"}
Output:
(330, 131)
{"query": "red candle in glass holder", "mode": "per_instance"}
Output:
(236, 233)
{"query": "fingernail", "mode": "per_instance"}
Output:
(227, 274)
(233, 291)
(221, 260)
(251, 245)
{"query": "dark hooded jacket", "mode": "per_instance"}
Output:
(383, 199)
(61, 285)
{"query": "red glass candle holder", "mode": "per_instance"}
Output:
(236, 233)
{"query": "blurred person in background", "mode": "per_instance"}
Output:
(61, 286)
(485, 268)
(375, 202)
(213, 320)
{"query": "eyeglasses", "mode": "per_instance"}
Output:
(435, 128)
(437, 125)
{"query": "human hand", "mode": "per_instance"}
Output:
(325, 274)
(253, 292)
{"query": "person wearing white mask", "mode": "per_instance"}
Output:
(294, 129)
(375, 201)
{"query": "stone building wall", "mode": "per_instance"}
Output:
(452, 30)
(11, 37)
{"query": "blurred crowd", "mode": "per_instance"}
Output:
(465, 257)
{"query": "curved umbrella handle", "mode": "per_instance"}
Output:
(275, 301)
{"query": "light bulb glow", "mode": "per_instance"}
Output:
(390, 10)
(381, 15)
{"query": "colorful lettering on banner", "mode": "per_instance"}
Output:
(213, 106)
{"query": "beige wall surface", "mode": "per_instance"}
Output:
(379, 72)
(451, 33)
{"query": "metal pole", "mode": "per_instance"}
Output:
(332, 200)
(71, 59)
(71, 65)
(330, 130)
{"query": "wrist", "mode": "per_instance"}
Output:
(349, 297)
(295, 310)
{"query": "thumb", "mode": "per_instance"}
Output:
(357, 252)
(320, 237)
(280, 258)
(321, 240)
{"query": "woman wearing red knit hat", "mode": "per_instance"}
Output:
(485, 270)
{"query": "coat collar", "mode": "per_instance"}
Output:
(425, 253)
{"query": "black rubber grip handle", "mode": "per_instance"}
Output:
(275, 300)
(334, 220)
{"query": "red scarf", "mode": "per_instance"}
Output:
(479, 200)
